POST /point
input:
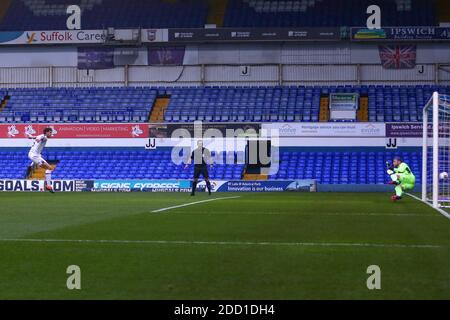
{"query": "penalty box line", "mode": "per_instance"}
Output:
(192, 203)
(229, 243)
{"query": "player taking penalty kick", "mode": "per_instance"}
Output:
(35, 156)
(401, 176)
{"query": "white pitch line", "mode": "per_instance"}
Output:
(232, 243)
(192, 203)
(443, 212)
(375, 214)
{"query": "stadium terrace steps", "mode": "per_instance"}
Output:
(39, 173)
(4, 6)
(443, 10)
(159, 108)
(4, 102)
(324, 113)
(363, 111)
(254, 177)
(216, 12)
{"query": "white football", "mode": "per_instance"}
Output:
(443, 175)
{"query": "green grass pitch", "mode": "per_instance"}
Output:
(257, 246)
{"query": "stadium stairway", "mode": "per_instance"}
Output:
(443, 10)
(159, 109)
(363, 111)
(4, 102)
(216, 12)
(254, 177)
(324, 113)
(39, 173)
(4, 6)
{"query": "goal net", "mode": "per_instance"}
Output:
(436, 151)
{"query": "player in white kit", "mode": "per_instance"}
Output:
(35, 156)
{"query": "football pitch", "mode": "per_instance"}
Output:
(247, 246)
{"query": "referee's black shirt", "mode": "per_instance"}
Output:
(198, 156)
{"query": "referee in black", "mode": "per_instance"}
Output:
(201, 157)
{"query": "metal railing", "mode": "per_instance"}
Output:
(209, 74)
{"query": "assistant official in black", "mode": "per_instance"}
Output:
(201, 157)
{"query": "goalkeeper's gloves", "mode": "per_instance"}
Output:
(389, 166)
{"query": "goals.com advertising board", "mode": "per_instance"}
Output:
(157, 186)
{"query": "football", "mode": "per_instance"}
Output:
(443, 175)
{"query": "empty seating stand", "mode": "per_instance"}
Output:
(326, 13)
(209, 104)
(257, 104)
(123, 164)
(340, 167)
(118, 164)
(13, 164)
(331, 167)
(100, 14)
(79, 105)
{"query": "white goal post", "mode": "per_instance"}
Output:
(436, 151)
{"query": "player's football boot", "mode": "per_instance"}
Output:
(394, 182)
(49, 188)
(395, 198)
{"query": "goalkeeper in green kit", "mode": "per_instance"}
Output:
(401, 176)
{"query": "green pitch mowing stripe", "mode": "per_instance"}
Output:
(258, 246)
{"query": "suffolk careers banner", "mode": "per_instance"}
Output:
(53, 37)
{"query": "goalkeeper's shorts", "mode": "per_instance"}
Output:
(407, 182)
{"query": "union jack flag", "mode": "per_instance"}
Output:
(398, 56)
